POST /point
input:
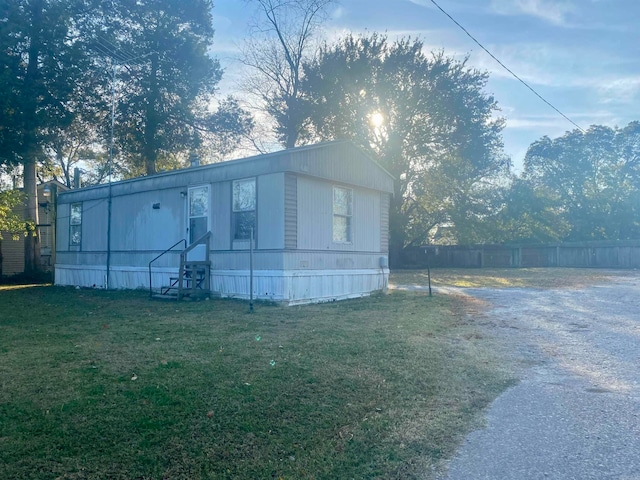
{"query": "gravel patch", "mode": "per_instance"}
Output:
(575, 413)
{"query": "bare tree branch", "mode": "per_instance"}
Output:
(281, 39)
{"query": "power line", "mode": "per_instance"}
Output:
(117, 53)
(105, 51)
(507, 68)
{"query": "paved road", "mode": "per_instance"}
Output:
(576, 412)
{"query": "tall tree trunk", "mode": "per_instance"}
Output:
(32, 263)
(293, 120)
(31, 242)
(150, 150)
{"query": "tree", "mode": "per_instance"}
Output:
(221, 131)
(280, 42)
(42, 61)
(531, 215)
(66, 148)
(425, 119)
(11, 222)
(593, 178)
(166, 79)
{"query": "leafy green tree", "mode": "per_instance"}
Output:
(11, 222)
(165, 79)
(426, 119)
(530, 215)
(77, 145)
(41, 61)
(592, 177)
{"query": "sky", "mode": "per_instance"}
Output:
(582, 56)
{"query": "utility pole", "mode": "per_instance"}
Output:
(117, 56)
(110, 169)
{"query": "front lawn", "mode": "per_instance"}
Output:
(99, 385)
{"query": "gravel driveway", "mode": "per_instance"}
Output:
(576, 412)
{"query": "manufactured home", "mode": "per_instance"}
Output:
(303, 225)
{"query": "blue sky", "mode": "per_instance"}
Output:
(583, 56)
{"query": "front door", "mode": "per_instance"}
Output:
(198, 214)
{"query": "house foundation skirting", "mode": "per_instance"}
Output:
(296, 287)
(123, 278)
(292, 287)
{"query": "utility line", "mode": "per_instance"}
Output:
(118, 56)
(506, 68)
(117, 53)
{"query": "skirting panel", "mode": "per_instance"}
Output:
(120, 278)
(293, 287)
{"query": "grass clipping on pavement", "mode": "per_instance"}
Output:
(101, 384)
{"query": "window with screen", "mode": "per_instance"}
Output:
(342, 214)
(75, 225)
(244, 208)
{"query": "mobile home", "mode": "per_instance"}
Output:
(318, 216)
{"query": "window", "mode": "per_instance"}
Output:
(342, 212)
(198, 212)
(244, 208)
(75, 224)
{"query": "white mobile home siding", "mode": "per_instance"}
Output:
(290, 211)
(270, 215)
(315, 217)
(221, 216)
(384, 222)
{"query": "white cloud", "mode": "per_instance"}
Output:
(618, 90)
(537, 123)
(554, 12)
(535, 63)
(554, 123)
(333, 34)
(546, 65)
(338, 13)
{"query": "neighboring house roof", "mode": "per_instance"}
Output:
(41, 186)
(54, 182)
(339, 161)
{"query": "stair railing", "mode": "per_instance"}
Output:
(163, 253)
(206, 240)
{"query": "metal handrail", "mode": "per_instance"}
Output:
(206, 238)
(166, 251)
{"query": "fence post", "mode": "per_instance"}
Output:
(519, 258)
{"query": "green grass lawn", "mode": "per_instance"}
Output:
(99, 385)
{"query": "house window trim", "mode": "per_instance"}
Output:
(243, 243)
(78, 225)
(349, 240)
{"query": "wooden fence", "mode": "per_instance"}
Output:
(623, 254)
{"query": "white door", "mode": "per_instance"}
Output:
(198, 218)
